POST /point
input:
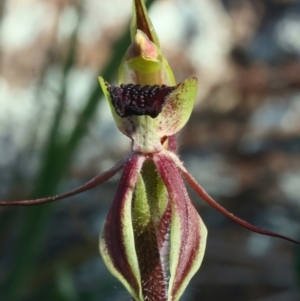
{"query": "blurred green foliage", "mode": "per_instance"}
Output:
(57, 156)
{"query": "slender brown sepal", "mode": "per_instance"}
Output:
(96, 181)
(208, 199)
(143, 22)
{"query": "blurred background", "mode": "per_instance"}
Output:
(242, 142)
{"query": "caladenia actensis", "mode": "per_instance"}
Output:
(153, 239)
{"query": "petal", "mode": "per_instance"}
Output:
(178, 108)
(117, 245)
(188, 233)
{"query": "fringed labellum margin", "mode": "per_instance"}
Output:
(153, 239)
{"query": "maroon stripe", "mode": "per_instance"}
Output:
(141, 20)
(190, 236)
(113, 225)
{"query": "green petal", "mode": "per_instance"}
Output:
(178, 108)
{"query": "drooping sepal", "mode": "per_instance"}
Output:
(117, 243)
(153, 239)
(187, 234)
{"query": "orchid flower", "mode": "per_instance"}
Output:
(153, 239)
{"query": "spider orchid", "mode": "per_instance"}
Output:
(153, 239)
